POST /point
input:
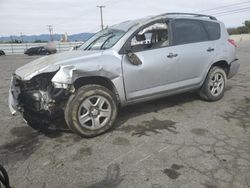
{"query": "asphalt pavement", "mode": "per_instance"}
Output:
(178, 141)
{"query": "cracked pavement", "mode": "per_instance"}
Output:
(178, 141)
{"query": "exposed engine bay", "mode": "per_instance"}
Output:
(38, 95)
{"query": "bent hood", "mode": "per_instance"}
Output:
(53, 62)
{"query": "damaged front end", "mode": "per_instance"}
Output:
(40, 89)
(37, 97)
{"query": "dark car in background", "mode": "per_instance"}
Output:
(2, 52)
(41, 50)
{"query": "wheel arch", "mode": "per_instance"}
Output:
(222, 64)
(99, 80)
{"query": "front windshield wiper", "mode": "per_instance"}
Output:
(106, 41)
(89, 46)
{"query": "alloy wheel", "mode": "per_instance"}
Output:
(216, 84)
(94, 112)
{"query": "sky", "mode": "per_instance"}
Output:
(77, 16)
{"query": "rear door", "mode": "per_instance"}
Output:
(194, 48)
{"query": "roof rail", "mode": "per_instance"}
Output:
(190, 14)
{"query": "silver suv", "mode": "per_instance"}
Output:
(131, 62)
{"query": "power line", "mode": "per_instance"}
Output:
(228, 9)
(222, 7)
(80, 15)
(234, 8)
(110, 2)
(50, 28)
(232, 11)
(217, 11)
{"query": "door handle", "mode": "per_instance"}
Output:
(210, 49)
(172, 55)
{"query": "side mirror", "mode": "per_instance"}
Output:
(133, 58)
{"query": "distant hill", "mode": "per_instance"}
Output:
(46, 37)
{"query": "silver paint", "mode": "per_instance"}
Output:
(157, 76)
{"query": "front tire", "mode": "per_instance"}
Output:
(35, 122)
(91, 111)
(214, 86)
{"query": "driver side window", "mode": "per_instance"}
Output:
(151, 37)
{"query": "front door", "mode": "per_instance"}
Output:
(158, 60)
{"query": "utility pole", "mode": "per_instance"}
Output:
(101, 7)
(21, 35)
(50, 27)
(11, 38)
(11, 44)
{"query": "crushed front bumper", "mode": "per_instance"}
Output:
(36, 96)
(14, 92)
(234, 68)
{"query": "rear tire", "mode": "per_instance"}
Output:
(91, 111)
(214, 86)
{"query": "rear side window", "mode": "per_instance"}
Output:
(213, 30)
(188, 31)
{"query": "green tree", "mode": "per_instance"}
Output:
(247, 24)
(243, 29)
(233, 31)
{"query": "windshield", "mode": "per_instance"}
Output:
(102, 40)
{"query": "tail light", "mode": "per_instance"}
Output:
(231, 41)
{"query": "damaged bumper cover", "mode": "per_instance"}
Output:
(14, 92)
(61, 72)
(39, 94)
(42, 91)
(234, 68)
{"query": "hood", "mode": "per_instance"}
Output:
(53, 62)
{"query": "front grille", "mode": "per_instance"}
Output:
(40, 82)
(27, 85)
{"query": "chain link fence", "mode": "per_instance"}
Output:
(20, 48)
(241, 37)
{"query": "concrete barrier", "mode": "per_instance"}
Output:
(240, 38)
(65, 46)
(14, 48)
